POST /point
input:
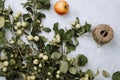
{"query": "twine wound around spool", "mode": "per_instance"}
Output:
(102, 34)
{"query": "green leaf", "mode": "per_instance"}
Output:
(73, 70)
(10, 10)
(38, 6)
(44, 39)
(61, 32)
(55, 28)
(35, 29)
(2, 74)
(64, 57)
(11, 75)
(20, 42)
(97, 73)
(1, 4)
(43, 4)
(7, 25)
(40, 44)
(2, 21)
(22, 76)
(81, 60)
(70, 47)
(87, 27)
(105, 73)
(27, 17)
(77, 20)
(28, 27)
(70, 41)
(48, 48)
(46, 29)
(39, 15)
(63, 66)
(26, 4)
(68, 35)
(29, 9)
(1, 37)
(81, 31)
(90, 73)
(56, 55)
(76, 41)
(116, 76)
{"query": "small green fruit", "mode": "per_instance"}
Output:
(5, 63)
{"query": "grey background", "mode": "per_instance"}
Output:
(95, 12)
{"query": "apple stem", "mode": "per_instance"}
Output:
(66, 7)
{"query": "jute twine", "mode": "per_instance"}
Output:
(103, 34)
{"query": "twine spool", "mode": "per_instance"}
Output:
(103, 34)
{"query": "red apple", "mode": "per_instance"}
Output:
(61, 7)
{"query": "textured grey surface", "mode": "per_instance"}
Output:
(95, 12)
